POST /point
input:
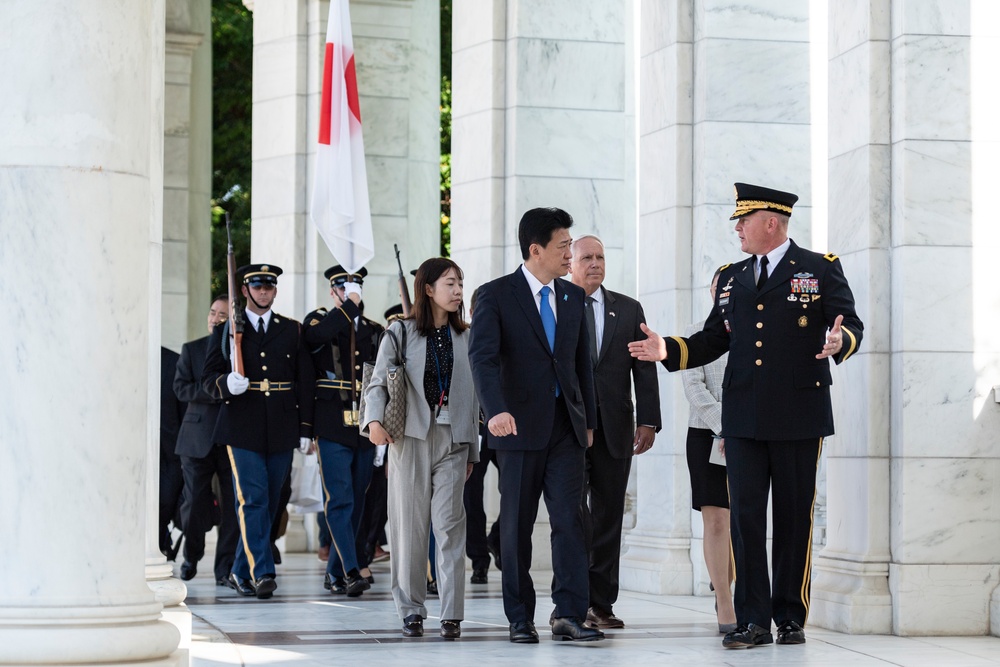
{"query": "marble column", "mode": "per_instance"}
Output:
(656, 558)
(944, 531)
(539, 119)
(850, 589)
(181, 46)
(724, 97)
(80, 198)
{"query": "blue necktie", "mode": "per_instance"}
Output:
(548, 322)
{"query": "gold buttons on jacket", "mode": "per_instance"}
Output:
(760, 306)
(817, 384)
(263, 354)
(759, 362)
(263, 368)
(759, 344)
(760, 325)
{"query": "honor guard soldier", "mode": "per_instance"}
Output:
(340, 341)
(781, 314)
(265, 414)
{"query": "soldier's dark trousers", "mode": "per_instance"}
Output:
(346, 473)
(257, 481)
(788, 469)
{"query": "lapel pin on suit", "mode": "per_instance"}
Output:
(612, 314)
(565, 297)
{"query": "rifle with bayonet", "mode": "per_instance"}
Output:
(235, 311)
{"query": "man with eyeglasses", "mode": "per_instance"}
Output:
(266, 412)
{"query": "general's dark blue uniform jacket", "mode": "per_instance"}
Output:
(774, 388)
(277, 409)
(327, 337)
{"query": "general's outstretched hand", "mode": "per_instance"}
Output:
(834, 340)
(651, 349)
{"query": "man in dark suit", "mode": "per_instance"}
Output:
(202, 459)
(614, 321)
(171, 478)
(266, 412)
(781, 314)
(339, 341)
(530, 358)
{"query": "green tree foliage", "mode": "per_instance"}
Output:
(232, 78)
(446, 128)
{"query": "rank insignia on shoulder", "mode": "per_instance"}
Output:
(830, 257)
(313, 322)
(724, 267)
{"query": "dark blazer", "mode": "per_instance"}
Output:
(515, 371)
(195, 437)
(271, 421)
(327, 337)
(171, 409)
(615, 372)
(774, 388)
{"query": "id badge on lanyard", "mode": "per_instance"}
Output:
(443, 416)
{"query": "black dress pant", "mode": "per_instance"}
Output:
(171, 489)
(475, 512)
(603, 514)
(557, 472)
(198, 512)
(788, 469)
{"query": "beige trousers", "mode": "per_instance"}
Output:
(426, 482)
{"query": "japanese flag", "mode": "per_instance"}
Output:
(340, 208)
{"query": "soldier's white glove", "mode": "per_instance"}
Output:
(237, 383)
(305, 445)
(352, 288)
(380, 455)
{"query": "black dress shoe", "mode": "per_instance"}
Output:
(356, 585)
(569, 628)
(413, 626)
(451, 629)
(523, 632)
(338, 586)
(241, 586)
(747, 635)
(432, 588)
(188, 570)
(264, 587)
(604, 620)
(275, 554)
(327, 581)
(494, 550)
(480, 577)
(222, 581)
(790, 632)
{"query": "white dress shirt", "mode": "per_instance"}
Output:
(252, 317)
(535, 285)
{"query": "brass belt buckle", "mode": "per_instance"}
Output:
(265, 385)
(351, 417)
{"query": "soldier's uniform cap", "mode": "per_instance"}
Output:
(337, 275)
(259, 274)
(750, 198)
(394, 313)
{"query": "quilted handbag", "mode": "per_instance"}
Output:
(394, 417)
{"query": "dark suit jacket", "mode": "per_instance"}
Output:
(263, 422)
(774, 387)
(195, 437)
(515, 371)
(171, 410)
(615, 372)
(327, 336)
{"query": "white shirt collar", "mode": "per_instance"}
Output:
(534, 284)
(252, 318)
(775, 256)
(598, 295)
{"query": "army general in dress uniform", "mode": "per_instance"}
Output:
(266, 413)
(340, 341)
(781, 315)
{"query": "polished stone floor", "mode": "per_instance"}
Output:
(305, 625)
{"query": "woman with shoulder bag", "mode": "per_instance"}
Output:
(429, 465)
